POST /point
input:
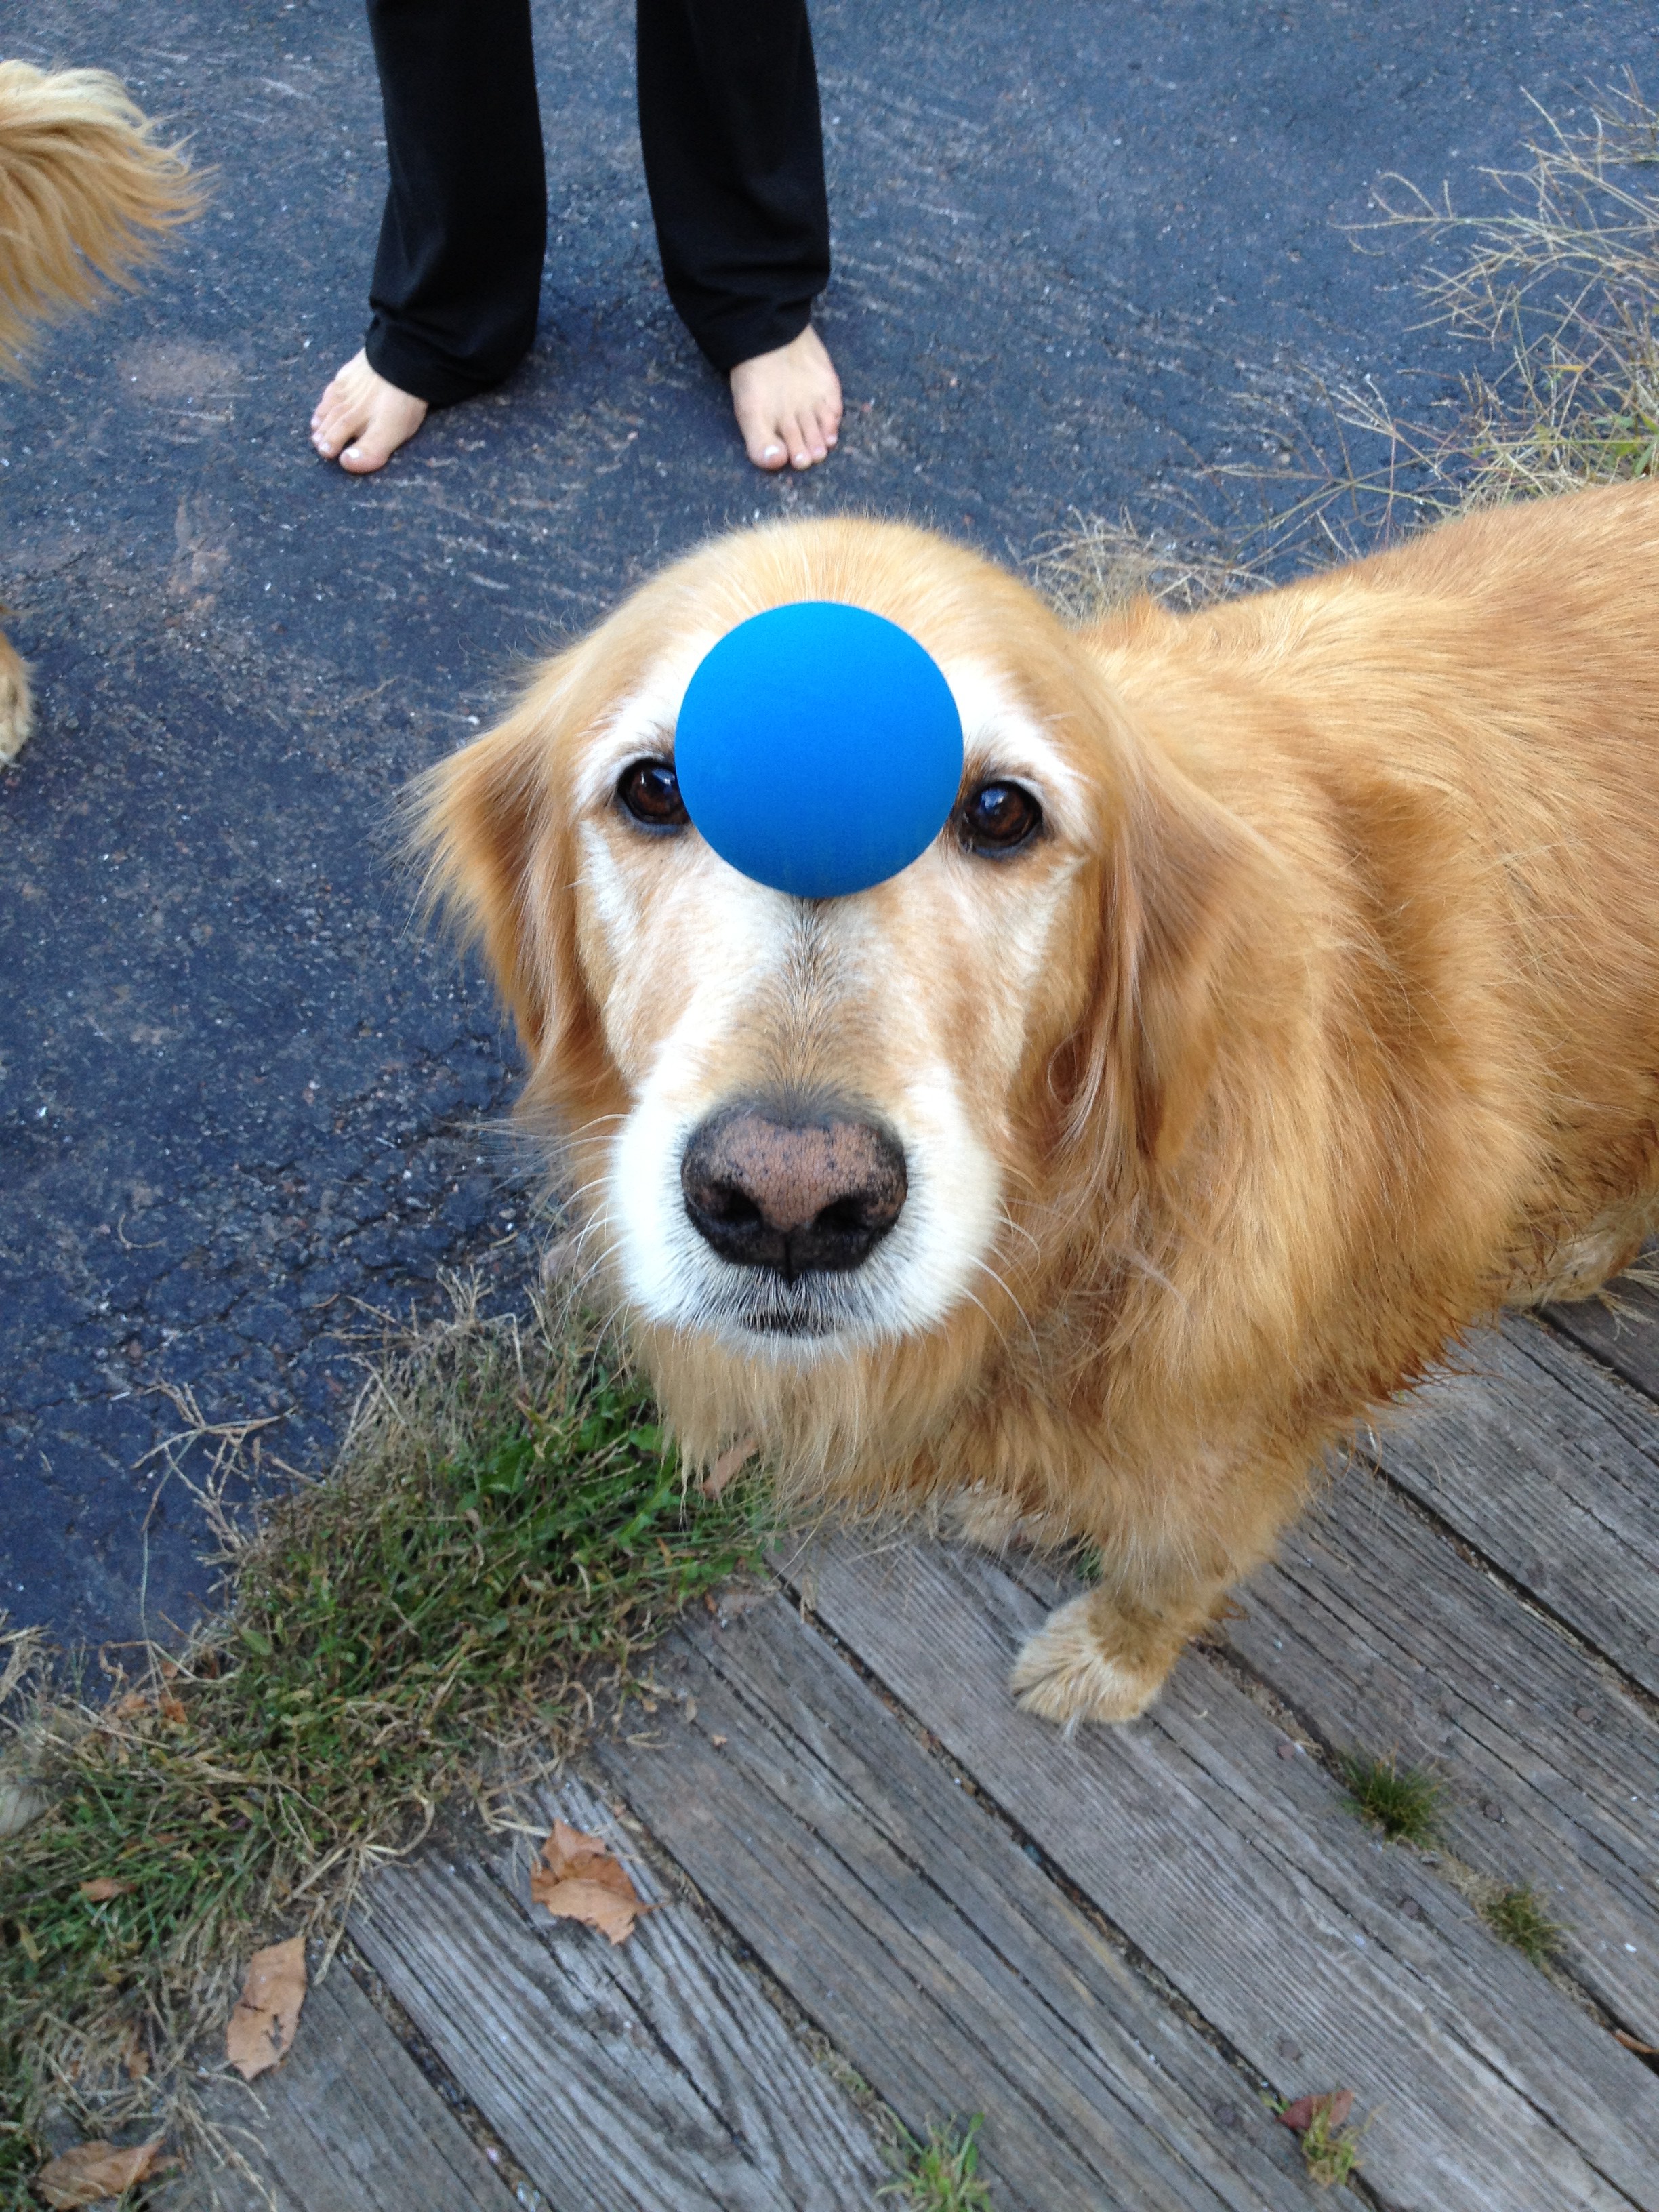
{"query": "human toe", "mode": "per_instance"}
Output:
(765, 445)
(811, 431)
(336, 421)
(798, 441)
(330, 433)
(370, 450)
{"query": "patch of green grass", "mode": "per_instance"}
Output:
(942, 2174)
(1518, 1916)
(1402, 1800)
(1330, 2148)
(1331, 2153)
(506, 1532)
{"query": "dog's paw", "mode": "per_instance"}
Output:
(991, 1521)
(16, 709)
(985, 1518)
(1062, 1673)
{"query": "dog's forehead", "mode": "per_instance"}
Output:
(999, 734)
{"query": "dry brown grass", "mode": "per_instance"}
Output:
(1098, 565)
(1555, 287)
(1564, 278)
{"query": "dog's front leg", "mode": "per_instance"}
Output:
(1104, 1657)
(1164, 1578)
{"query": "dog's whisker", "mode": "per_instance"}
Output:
(984, 1267)
(1017, 1228)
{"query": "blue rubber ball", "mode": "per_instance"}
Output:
(818, 749)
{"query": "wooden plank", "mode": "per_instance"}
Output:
(1550, 1466)
(1620, 1326)
(1241, 1874)
(909, 1924)
(1375, 1630)
(621, 2079)
(347, 2123)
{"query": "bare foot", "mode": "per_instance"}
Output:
(361, 420)
(788, 402)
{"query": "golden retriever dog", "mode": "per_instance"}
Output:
(85, 192)
(1282, 996)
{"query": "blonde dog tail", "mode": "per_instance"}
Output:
(87, 193)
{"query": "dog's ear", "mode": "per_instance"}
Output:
(498, 859)
(1177, 876)
(472, 819)
(1191, 863)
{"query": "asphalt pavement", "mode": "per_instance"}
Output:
(243, 1100)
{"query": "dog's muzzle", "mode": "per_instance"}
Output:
(794, 1192)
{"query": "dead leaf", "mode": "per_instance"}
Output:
(171, 1706)
(1642, 2050)
(578, 1879)
(93, 2171)
(268, 2011)
(569, 1854)
(103, 1888)
(1301, 2112)
(729, 1463)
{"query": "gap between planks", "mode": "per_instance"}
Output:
(1549, 1466)
(1242, 1878)
(347, 2123)
(621, 2079)
(1382, 1638)
(902, 1918)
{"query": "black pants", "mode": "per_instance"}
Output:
(734, 160)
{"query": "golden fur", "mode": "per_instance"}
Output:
(85, 192)
(1323, 1021)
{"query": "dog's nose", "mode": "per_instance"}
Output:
(770, 1188)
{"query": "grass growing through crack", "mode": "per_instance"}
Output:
(1331, 2153)
(504, 1534)
(1517, 1915)
(1402, 1800)
(942, 2171)
(1330, 2147)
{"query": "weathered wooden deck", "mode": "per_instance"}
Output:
(874, 1870)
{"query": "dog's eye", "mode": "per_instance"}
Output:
(650, 790)
(997, 818)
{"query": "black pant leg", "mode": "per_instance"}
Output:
(734, 161)
(458, 276)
